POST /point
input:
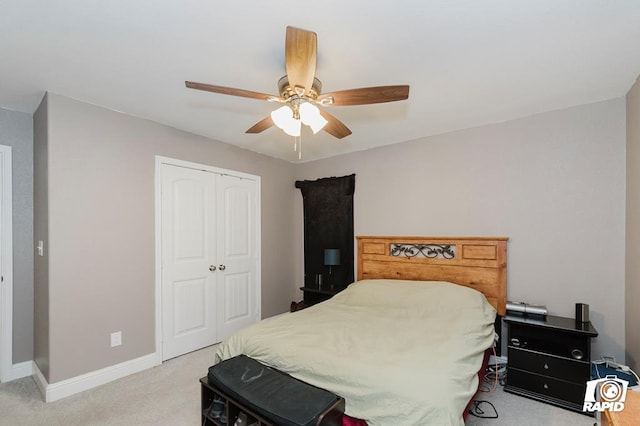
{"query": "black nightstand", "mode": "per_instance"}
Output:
(549, 360)
(313, 295)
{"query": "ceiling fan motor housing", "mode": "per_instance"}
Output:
(287, 92)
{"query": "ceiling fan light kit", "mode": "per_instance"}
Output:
(310, 115)
(300, 92)
(284, 119)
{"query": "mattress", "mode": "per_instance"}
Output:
(399, 352)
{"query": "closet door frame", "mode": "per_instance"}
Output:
(159, 160)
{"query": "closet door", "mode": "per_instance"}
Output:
(210, 256)
(237, 254)
(189, 252)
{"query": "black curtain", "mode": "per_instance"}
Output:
(328, 223)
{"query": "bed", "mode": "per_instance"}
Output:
(404, 343)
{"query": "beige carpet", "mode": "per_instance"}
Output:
(170, 395)
(515, 410)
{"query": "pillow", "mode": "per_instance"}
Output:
(406, 295)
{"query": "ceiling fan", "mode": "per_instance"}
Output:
(300, 92)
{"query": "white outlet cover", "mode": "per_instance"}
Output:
(116, 339)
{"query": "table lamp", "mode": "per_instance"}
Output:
(331, 258)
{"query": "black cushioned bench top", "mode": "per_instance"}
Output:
(276, 396)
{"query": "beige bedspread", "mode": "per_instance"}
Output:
(399, 352)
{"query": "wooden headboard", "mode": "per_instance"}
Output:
(476, 262)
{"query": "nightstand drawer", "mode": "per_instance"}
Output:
(549, 341)
(549, 365)
(546, 386)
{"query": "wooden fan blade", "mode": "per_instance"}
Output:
(367, 95)
(261, 125)
(334, 126)
(229, 91)
(300, 57)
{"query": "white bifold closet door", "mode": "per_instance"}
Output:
(209, 257)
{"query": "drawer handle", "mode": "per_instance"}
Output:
(546, 386)
(546, 367)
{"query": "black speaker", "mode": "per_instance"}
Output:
(582, 313)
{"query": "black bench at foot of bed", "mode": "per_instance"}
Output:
(242, 387)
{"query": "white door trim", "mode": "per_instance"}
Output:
(6, 269)
(158, 231)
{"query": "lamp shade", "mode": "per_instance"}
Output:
(310, 115)
(284, 118)
(331, 257)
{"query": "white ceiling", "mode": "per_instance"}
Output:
(468, 62)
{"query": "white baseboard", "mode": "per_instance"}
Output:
(55, 391)
(20, 370)
(40, 380)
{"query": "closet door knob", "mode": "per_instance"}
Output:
(212, 268)
(222, 267)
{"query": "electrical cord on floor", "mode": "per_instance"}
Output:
(495, 373)
(477, 411)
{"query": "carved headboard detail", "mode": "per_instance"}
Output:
(476, 262)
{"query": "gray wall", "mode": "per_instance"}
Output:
(101, 243)
(16, 132)
(633, 227)
(553, 183)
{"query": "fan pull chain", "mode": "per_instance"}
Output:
(297, 146)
